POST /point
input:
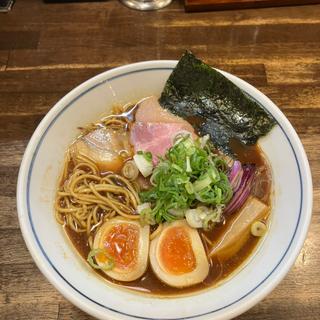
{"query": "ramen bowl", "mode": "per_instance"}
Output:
(66, 270)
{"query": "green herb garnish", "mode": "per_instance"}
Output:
(188, 175)
(92, 260)
(146, 154)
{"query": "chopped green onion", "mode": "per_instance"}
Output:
(185, 178)
(143, 206)
(213, 217)
(193, 218)
(105, 266)
(204, 217)
(220, 164)
(202, 183)
(147, 218)
(188, 165)
(176, 167)
(258, 229)
(147, 155)
(214, 174)
(130, 170)
(189, 146)
(145, 212)
(145, 166)
(189, 187)
(203, 140)
(181, 136)
(179, 213)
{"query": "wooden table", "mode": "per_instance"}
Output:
(46, 50)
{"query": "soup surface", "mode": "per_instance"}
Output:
(100, 182)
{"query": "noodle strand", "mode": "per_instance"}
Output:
(86, 199)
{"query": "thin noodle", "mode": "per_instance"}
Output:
(112, 214)
(207, 239)
(155, 233)
(66, 165)
(86, 199)
(89, 165)
(116, 122)
(89, 218)
(90, 241)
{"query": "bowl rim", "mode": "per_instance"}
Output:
(52, 273)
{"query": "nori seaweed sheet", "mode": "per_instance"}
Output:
(195, 90)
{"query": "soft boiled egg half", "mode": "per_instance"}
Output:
(177, 255)
(126, 242)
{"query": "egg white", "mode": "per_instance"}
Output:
(182, 280)
(143, 249)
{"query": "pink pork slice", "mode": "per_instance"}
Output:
(154, 137)
(150, 111)
(155, 128)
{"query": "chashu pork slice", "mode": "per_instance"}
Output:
(106, 147)
(154, 137)
(155, 128)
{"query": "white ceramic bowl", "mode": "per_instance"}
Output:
(60, 263)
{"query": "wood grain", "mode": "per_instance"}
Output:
(19, 40)
(46, 50)
(205, 5)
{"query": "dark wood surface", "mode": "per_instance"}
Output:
(206, 5)
(46, 50)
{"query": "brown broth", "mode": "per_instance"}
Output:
(149, 283)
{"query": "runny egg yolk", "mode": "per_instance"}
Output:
(176, 251)
(121, 243)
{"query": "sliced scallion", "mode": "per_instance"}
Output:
(144, 165)
(176, 167)
(93, 256)
(189, 187)
(185, 178)
(188, 165)
(202, 183)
